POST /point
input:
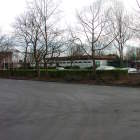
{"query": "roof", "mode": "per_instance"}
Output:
(85, 57)
(13, 50)
(5, 53)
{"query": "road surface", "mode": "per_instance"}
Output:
(31, 110)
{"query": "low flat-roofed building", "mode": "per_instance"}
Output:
(81, 61)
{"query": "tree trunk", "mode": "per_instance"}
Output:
(121, 59)
(121, 62)
(94, 63)
(25, 62)
(38, 69)
(45, 62)
(71, 63)
(25, 58)
(45, 67)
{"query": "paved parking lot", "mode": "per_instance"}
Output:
(32, 110)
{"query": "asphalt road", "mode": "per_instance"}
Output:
(32, 110)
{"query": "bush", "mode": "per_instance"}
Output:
(5, 73)
(73, 67)
(68, 75)
(49, 67)
(67, 67)
(112, 74)
(89, 68)
(24, 73)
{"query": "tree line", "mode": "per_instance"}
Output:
(101, 25)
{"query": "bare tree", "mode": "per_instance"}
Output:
(74, 50)
(27, 30)
(6, 42)
(132, 53)
(34, 32)
(138, 3)
(93, 23)
(48, 11)
(22, 34)
(120, 23)
(136, 25)
(37, 30)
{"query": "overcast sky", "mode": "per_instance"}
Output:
(9, 9)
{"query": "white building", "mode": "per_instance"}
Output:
(81, 61)
(9, 59)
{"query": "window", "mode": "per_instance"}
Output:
(89, 62)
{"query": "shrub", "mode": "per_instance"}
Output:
(112, 74)
(89, 68)
(69, 75)
(24, 73)
(73, 67)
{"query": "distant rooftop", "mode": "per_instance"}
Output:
(85, 57)
(10, 50)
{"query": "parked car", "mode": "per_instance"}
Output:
(131, 70)
(59, 68)
(106, 68)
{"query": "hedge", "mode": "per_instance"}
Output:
(72, 67)
(112, 74)
(66, 74)
(71, 74)
(18, 73)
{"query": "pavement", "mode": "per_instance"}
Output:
(31, 110)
